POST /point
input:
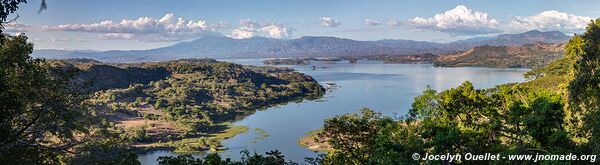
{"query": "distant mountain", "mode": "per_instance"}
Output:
(55, 54)
(526, 56)
(529, 37)
(223, 47)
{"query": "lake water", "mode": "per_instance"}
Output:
(386, 88)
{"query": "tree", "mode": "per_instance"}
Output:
(160, 103)
(584, 85)
(40, 112)
(8, 7)
(270, 158)
(354, 137)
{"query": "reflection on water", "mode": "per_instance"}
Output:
(387, 88)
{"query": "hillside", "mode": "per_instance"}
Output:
(174, 101)
(308, 46)
(526, 56)
(529, 37)
(404, 59)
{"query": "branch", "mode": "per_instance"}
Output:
(42, 6)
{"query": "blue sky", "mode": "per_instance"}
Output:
(98, 25)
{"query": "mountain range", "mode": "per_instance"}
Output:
(308, 46)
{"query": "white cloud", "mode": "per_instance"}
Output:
(56, 40)
(116, 36)
(329, 22)
(372, 22)
(550, 20)
(16, 27)
(458, 21)
(167, 28)
(393, 23)
(248, 29)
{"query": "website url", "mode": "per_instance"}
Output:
(492, 157)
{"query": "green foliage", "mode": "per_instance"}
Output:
(44, 118)
(40, 111)
(364, 138)
(270, 158)
(584, 85)
(7, 7)
(506, 119)
(108, 144)
(160, 103)
(201, 92)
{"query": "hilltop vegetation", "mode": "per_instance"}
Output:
(174, 100)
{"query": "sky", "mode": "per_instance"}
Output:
(147, 24)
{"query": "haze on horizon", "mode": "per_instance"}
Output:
(137, 24)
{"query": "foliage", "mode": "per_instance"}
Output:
(110, 144)
(354, 137)
(40, 111)
(270, 158)
(8, 7)
(554, 112)
(197, 94)
(584, 85)
(45, 119)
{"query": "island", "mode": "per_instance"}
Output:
(286, 61)
(404, 59)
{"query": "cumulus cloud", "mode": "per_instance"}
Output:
(393, 23)
(459, 21)
(248, 29)
(166, 28)
(372, 22)
(329, 22)
(550, 20)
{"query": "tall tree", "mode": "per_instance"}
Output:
(584, 87)
(39, 111)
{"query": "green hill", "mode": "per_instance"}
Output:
(192, 98)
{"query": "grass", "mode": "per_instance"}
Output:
(229, 132)
(210, 142)
(310, 142)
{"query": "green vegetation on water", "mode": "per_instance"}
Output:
(212, 142)
(279, 61)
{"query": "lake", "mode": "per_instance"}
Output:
(386, 88)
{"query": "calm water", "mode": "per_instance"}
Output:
(386, 88)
